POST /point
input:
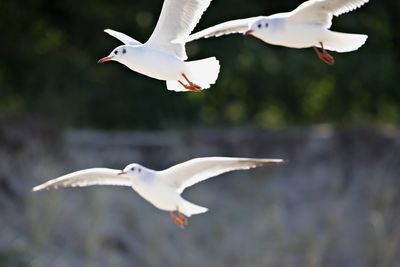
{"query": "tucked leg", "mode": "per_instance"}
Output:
(177, 220)
(183, 218)
(324, 55)
(191, 86)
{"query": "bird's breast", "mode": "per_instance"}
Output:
(155, 64)
(161, 195)
(292, 35)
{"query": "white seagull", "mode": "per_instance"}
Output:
(161, 59)
(163, 188)
(306, 26)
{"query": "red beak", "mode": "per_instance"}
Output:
(104, 59)
(121, 173)
(249, 32)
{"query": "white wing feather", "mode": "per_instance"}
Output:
(196, 170)
(177, 20)
(229, 27)
(322, 11)
(123, 37)
(88, 177)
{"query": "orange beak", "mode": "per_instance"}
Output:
(249, 32)
(104, 59)
(121, 173)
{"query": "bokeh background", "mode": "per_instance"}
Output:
(337, 202)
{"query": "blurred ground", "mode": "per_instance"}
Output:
(337, 202)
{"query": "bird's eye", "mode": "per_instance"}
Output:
(133, 169)
(116, 52)
(259, 25)
(123, 51)
(266, 25)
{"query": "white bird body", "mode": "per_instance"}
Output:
(302, 35)
(162, 195)
(161, 188)
(292, 35)
(161, 59)
(306, 26)
(153, 63)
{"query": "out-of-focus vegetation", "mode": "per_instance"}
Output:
(48, 66)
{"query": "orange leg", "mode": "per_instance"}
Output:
(192, 86)
(183, 218)
(324, 55)
(177, 220)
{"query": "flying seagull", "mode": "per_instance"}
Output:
(163, 188)
(161, 59)
(306, 26)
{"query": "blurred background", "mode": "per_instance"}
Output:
(337, 202)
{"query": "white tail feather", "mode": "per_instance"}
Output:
(344, 42)
(176, 86)
(190, 209)
(203, 73)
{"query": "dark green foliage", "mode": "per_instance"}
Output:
(48, 66)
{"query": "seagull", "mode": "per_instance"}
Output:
(161, 59)
(306, 26)
(163, 188)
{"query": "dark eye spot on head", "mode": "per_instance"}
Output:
(133, 169)
(266, 25)
(116, 52)
(123, 51)
(259, 25)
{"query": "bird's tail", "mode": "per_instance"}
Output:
(202, 72)
(344, 42)
(190, 209)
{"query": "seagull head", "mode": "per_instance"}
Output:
(118, 54)
(258, 26)
(133, 169)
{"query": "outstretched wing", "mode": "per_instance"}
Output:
(88, 177)
(229, 27)
(322, 11)
(196, 170)
(177, 20)
(123, 37)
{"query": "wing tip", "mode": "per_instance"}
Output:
(37, 188)
(44, 186)
(273, 161)
(279, 161)
(352, 8)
